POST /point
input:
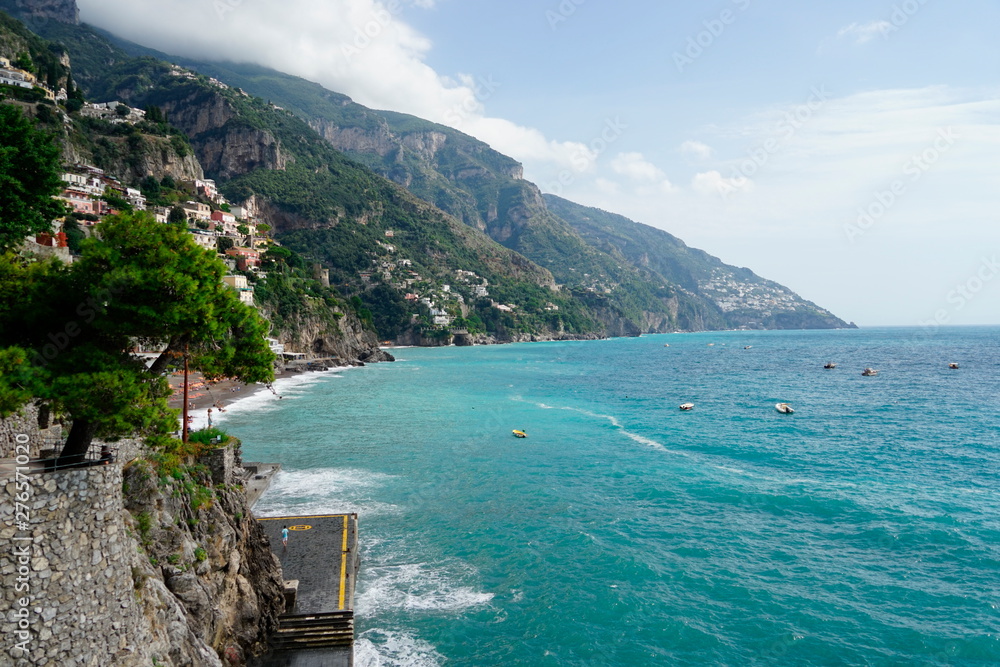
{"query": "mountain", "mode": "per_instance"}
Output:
(415, 270)
(738, 295)
(681, 288)
(581, 283)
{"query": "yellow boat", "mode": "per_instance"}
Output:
(520, 434)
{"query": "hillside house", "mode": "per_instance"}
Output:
(135, 198)
(82, 202)
(206, 240)
(12, 76)
(197, 211)
(439, 317)
(225, 221)
(245, 257)
(109, 111)
(241, 285)
(206, 188)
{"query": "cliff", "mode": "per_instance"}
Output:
(130, 158)
(319, 329)
(35, 11)
(131, 565)
(486, 190)
(205, 580)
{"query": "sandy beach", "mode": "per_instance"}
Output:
(218, 396)
(203, 395)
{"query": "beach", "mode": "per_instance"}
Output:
(220, 396)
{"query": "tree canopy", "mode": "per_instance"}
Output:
(29, 178)
(68, 333)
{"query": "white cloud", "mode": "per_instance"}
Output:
(714, 183)
(696, 149)
(362, 48)
(864, 32)
(607, 186)
(530, 145)
(636, 167)
(649, 178)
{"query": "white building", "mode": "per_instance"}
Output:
(275, 346)
(243, 287)
(206, 240)
(136, 198)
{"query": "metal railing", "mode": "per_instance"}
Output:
(98, 454)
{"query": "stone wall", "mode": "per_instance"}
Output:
(30, 426)
(73, 572)
(121, 565)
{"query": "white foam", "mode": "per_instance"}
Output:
(641, 439)
(323, 491)
(391, 648)
(259, 399)
(414, 587)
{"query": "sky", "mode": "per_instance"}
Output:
(845, 148)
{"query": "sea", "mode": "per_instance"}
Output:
(864, 529)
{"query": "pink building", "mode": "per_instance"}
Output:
(245, 257)
(227, 221)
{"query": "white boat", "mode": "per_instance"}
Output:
(687, 406)
(784, 408)
(869, 372)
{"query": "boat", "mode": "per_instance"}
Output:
(666, 345)
(869, 372)
(687, 406)
(829, 365)
(519, 434)
(784, 408)
(747, 347)
(953, 365)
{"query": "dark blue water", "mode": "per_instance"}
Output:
(863, 529)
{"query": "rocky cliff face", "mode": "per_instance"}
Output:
(224, 149)
(205, 579)
(238, 152)
(130, 566)
(64, 11)
(321, 331)
(355, 139)
(153, 156)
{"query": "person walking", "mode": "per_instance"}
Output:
(284, 537)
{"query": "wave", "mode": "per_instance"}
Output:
(323, 491)
(414, 587)
(392, 648)
(258, 399)
(635, 437)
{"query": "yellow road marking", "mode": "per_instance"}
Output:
(317, 516)
(343, 566)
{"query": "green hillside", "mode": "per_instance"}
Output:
(741, 297)
(660, 290)
(604, 281)
(378, 241)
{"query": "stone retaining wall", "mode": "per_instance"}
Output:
(71, 582)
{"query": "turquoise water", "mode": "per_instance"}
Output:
(862, 530)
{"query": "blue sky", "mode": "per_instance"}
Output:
(846, 149)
